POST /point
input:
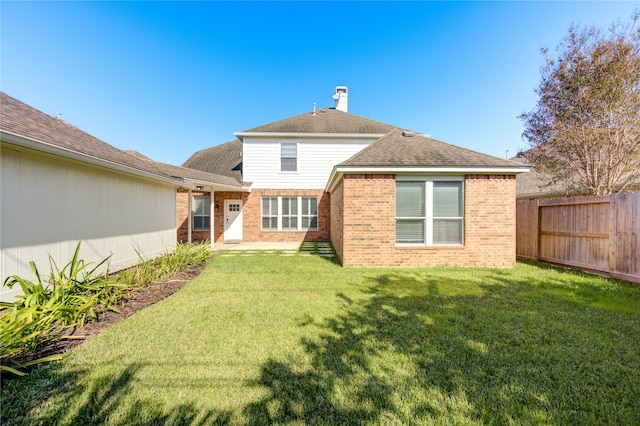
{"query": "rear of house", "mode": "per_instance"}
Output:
(381, 195)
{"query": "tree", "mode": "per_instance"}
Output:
(585, 128)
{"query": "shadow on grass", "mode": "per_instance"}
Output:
(427, 348)
(104, 402)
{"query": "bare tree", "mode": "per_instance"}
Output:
(585, 128)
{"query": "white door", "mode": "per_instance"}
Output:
(233, 220)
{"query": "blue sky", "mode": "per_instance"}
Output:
(168, 78)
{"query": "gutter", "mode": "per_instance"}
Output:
(194, 183)
(241, 135)
(339, 171)
(36, 145)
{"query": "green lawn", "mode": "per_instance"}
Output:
(299, 340)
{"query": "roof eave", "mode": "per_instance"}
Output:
(37, 145)
(242, 135)
(194, 183)
(339, 171)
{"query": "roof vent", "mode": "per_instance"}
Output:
(408, 134)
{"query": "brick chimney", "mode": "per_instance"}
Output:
(341, 99)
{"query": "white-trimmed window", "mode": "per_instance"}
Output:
(289, 213)
(289, 157)
(201, 212)
(270, 213)
(429, 211)
(309, 213)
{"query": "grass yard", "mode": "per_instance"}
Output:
(299, 340)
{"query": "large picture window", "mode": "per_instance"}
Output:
(201, 213)
(288, 157)
(429, 212)
(289, 213)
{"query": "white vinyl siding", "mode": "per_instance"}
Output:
(48, 204)
(261, 161)
(289, 214)
(429, 211)
(201, 213)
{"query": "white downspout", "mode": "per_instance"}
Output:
(189, 207)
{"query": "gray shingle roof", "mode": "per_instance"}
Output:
(224, 159)
(534, 183)
(325, 120)
(23, 120)
(397, 150)
(185, 172)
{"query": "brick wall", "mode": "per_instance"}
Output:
(368, 225)
(337, 213)
(252, 216)
(218, 224)
(182, 214)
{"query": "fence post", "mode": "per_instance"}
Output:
(537, 221)
(613, 231)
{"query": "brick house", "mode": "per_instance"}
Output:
(383, 196)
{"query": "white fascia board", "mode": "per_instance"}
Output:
(241, 135)
(193, 183)
(339, 171)
(36, 145)
(430, 169)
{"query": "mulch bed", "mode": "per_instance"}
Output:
(136, 301)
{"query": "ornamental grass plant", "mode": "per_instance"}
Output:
(71, 296)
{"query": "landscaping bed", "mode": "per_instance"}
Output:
(138, 299)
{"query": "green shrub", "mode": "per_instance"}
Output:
(45, 309)
(73, 295)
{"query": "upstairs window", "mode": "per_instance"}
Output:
(429, 212)
(201, 212)
(288, 157)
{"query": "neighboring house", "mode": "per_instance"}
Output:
(534, 184)
(381, 195)
(60, 185)
(541, 185)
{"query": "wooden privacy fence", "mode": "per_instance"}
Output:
(595, 233)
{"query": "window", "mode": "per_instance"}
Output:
(288, 157)
(429, 212)
(270, 213)
(310, 213)
(447, 213)
(201, 212)
(290, 213)
(410, 212)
